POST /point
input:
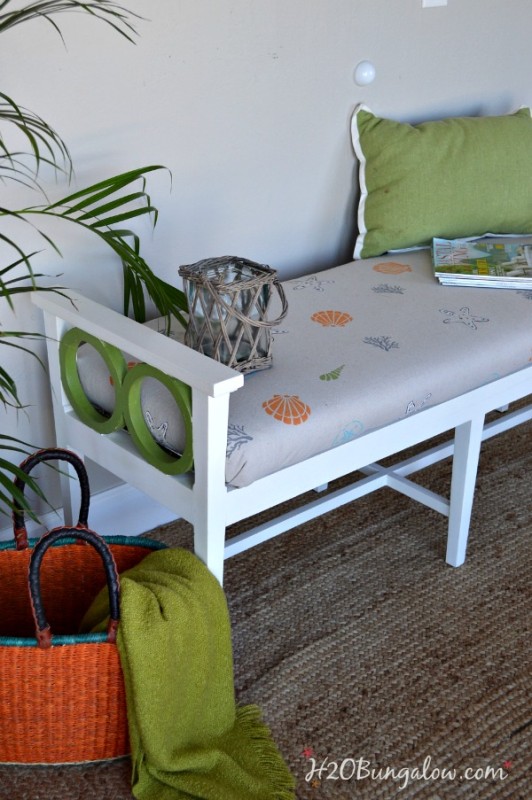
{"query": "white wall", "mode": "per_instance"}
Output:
(247, 102)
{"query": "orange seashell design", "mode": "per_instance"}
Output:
(332, 319)
(392, 268)
(287, 408)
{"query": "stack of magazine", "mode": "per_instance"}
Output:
(497, 262)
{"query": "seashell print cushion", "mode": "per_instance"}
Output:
(359, 349)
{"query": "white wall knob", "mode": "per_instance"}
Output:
(364, 73)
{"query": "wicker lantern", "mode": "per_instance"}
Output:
(228, 300)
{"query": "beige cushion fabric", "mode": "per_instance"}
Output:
(362, 345)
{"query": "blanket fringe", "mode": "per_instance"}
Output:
(250, 722)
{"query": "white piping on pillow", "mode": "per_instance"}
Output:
(362, 230)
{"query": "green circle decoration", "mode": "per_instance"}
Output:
(116, 364)
(139, 430)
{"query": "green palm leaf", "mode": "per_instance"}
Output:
(106, 209)
(99, 208)
(10, 497)
(107, 11)
(8, 388)
(45, 145)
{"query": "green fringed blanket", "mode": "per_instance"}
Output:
(188, 737)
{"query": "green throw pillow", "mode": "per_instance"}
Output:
(465, 176)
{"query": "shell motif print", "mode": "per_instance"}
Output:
(391, 268)
(287, 408)
(332, 319)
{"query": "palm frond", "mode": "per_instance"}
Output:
(11, 497)
(8, 390)
(6, 286)
(8, 387)
(100, 208)
(26, 282)
(113, 14)
(15, 168)
(106, 209)
(45, 144)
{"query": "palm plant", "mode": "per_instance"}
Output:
(105, 208)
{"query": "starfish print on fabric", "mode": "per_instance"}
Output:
(158, 431)
(417, 405)
(464, 316)
(311, 282)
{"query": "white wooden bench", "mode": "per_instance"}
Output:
(203, 495)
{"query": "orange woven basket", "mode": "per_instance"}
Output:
(62, 697)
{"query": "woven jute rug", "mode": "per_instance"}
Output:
(381, 671)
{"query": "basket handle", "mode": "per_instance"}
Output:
(43, 634)
(51, 454)
(256, 323)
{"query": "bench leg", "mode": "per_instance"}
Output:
(467, 441)
(209, 539)
(209, 419)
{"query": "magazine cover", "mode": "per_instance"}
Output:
(501, 261)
